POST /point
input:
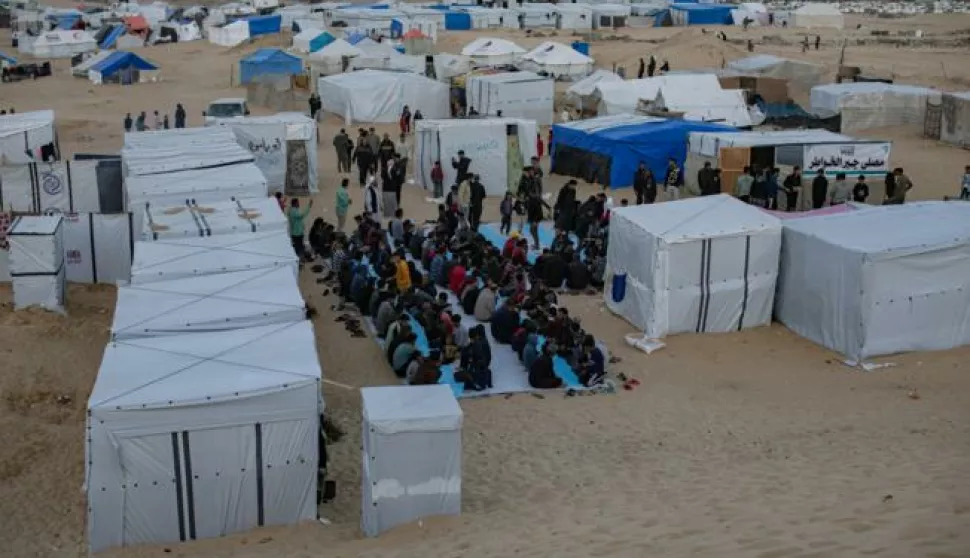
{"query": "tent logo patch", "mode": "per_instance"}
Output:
(52, 184)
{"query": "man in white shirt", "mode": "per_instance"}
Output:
(564, 115)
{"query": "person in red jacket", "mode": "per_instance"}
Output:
(539, 146)
(438, 179)
(509, 245)
(457, 277)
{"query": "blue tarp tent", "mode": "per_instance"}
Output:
(609, 149)
(264, 25)
(701, 14)
(7, 60)
(266, 61)
(67, 21)
(111, 38)
(355, 37)
(458, 21)
(121, 61)
(321, 40)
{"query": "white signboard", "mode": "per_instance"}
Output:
(848, 158)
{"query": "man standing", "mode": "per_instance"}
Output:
(140, 122)
(179, 115)
(565, 209)
(128, 122)
(840, 190)
(438, 180)
(461, 165)
(373, 141)
(792, 185)
(385, 151)
(315, 105)
(705, 179)
(343, 146)
(641, 69)
(820, 189)
(342, 204)
(364, 156)
(742, 188)
(642, 182)
(818, 41)
(860, 192)
(672, 181)
(903, 186)
(651, 66)
(478, 195)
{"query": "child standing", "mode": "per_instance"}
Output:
(506, 208)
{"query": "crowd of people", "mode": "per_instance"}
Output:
(158, 121)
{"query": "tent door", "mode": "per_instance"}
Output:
(732, 161)
(224, 479)
(154, 485)
(515, 161)
(297, 169)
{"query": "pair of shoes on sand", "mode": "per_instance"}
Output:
(352, 325)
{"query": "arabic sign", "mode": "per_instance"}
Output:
(858, 158)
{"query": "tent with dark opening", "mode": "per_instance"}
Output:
(607, 150)
(269, 61)
(120, 67)
(701, 14)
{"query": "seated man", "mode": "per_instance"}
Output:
(386, 313)
(424, 371)
(475, 372)
(485, 303)
(530, 352)
(592, 369)
(541, 374)
(504, 322)
(404, 354)
(400, 335)
(577, 276)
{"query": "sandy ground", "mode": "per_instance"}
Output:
(754, 444)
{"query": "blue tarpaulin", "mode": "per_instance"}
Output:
(267, 61)
(111, 38)
(625, 145)
(68, 21)
(264, 25)
(7, 59)
(321, 40)
(458, 21)
(701, 14)
(120, 61)
(355, 37)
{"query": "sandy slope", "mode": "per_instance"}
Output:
(755, 444)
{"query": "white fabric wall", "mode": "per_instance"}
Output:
(515, 95)
(379, 97)
(229, 36)
(872, 105)
(22, 132)
(64, 186)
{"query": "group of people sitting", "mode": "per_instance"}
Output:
(404, 282)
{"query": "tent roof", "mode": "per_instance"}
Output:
(486, 46)
(628, 93)
(369, 79)
(469, 122)
(893, 229)
(707, 105)
(13, 124)
(337, 49)
(393, 409)
(121, 59)
(203, 135)
(852, 88)
(588, 84)
(222, 217)
(551, 52)
(265, 55)
(691, 7)
(697, 218)
(508, 77)
(185, 257)
(208, 303)
(604, 123)
(205, 367)
(192, 182)
(763, 138)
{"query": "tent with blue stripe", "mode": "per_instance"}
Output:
(6, 60)
(264, 25)
(120, 66)
(112, 36)
(607, 150)
(701, 14)
(269, 61)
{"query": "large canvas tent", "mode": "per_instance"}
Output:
(557, 60)
(120, 67)
(818, 15)
(203, 435)
(58, 44)
(377, 96)
(240, 181)
(725, 106)
(518, 94)
(228, 35)
(866, 105)
(607, 150)
(25, 135)
(411, 455)
(703, 265)
(269, 61)
(207, 303)
(802, 74)
(311, 40)
(581, 93)
(498, 147)
(624, 97)
(886, 280)
(178, 258)
(487, 51)
(285, 149)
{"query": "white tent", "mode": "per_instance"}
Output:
(610, 16)
(226, 217)
(206, 303)
(23, 132)
(537, 15)
(872, 105)
(330, 59)
(183, 31)
(178, 258)
(724, 106)
(955, 119)
(882, 281)
(803, 74)
(557, 60)
(376, 96)
(625, 96)
(582, 93)
(183, 149)
(703, 265)
(574, 16)
(411, 455)
(487, 51)
(519, 94)
(755, 12)
(229, 35)
(81, 68)
(819, 15)
(37, 262)
(242, 181)
(486, 141)
(203, 435)
(58, 44)
(302, 40)
(285, 148)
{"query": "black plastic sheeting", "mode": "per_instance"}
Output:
(581, 164)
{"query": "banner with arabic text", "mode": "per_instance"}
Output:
(849, 158)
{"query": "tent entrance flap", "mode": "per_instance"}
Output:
(732, 161)
(594, 168)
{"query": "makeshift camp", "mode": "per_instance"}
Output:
(268, 61)
(574, 16)
(378, 96)
(607, 150)
(812, 150)
(886, 280)
(557, 60)
(498, 147)
(285, 148)
(27, 137)
(333, 58)
(804, 75)
(37, 262)
(364, 18)
(487, 51)
(228, 217)
(81, 68)
(701, 14)
(120, 67)
(208, 303)
(230, 34)
(582, 92)
(411, 455)
(519, 94)
(203, 435)
(818, 15)
(703, 265)
(716, 105)
(955, 119)
(623, 97)
(178, 258)
(176, 32)
(872, 104)
(58, 44)
(750, 14)
(311, 40)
